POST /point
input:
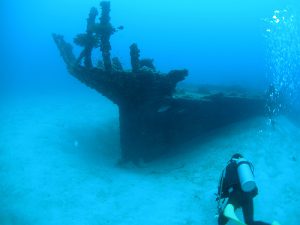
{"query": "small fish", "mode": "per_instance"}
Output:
(120, 27)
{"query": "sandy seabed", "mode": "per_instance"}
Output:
(58, 166)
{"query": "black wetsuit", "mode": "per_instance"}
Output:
(232, 190)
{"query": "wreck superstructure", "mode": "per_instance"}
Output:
(153, 118)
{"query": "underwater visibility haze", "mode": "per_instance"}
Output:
(207, 78)
(216, 40)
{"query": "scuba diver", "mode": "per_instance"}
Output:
(238, 187)
(273, 105)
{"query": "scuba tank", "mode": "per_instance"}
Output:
(246, 175)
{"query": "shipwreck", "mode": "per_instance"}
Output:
(154, 117)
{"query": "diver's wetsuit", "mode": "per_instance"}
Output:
(232, 190)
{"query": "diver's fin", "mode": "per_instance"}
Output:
(275, 223)
(229, 213)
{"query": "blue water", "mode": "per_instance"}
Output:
(218, 41)
(50, 122)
